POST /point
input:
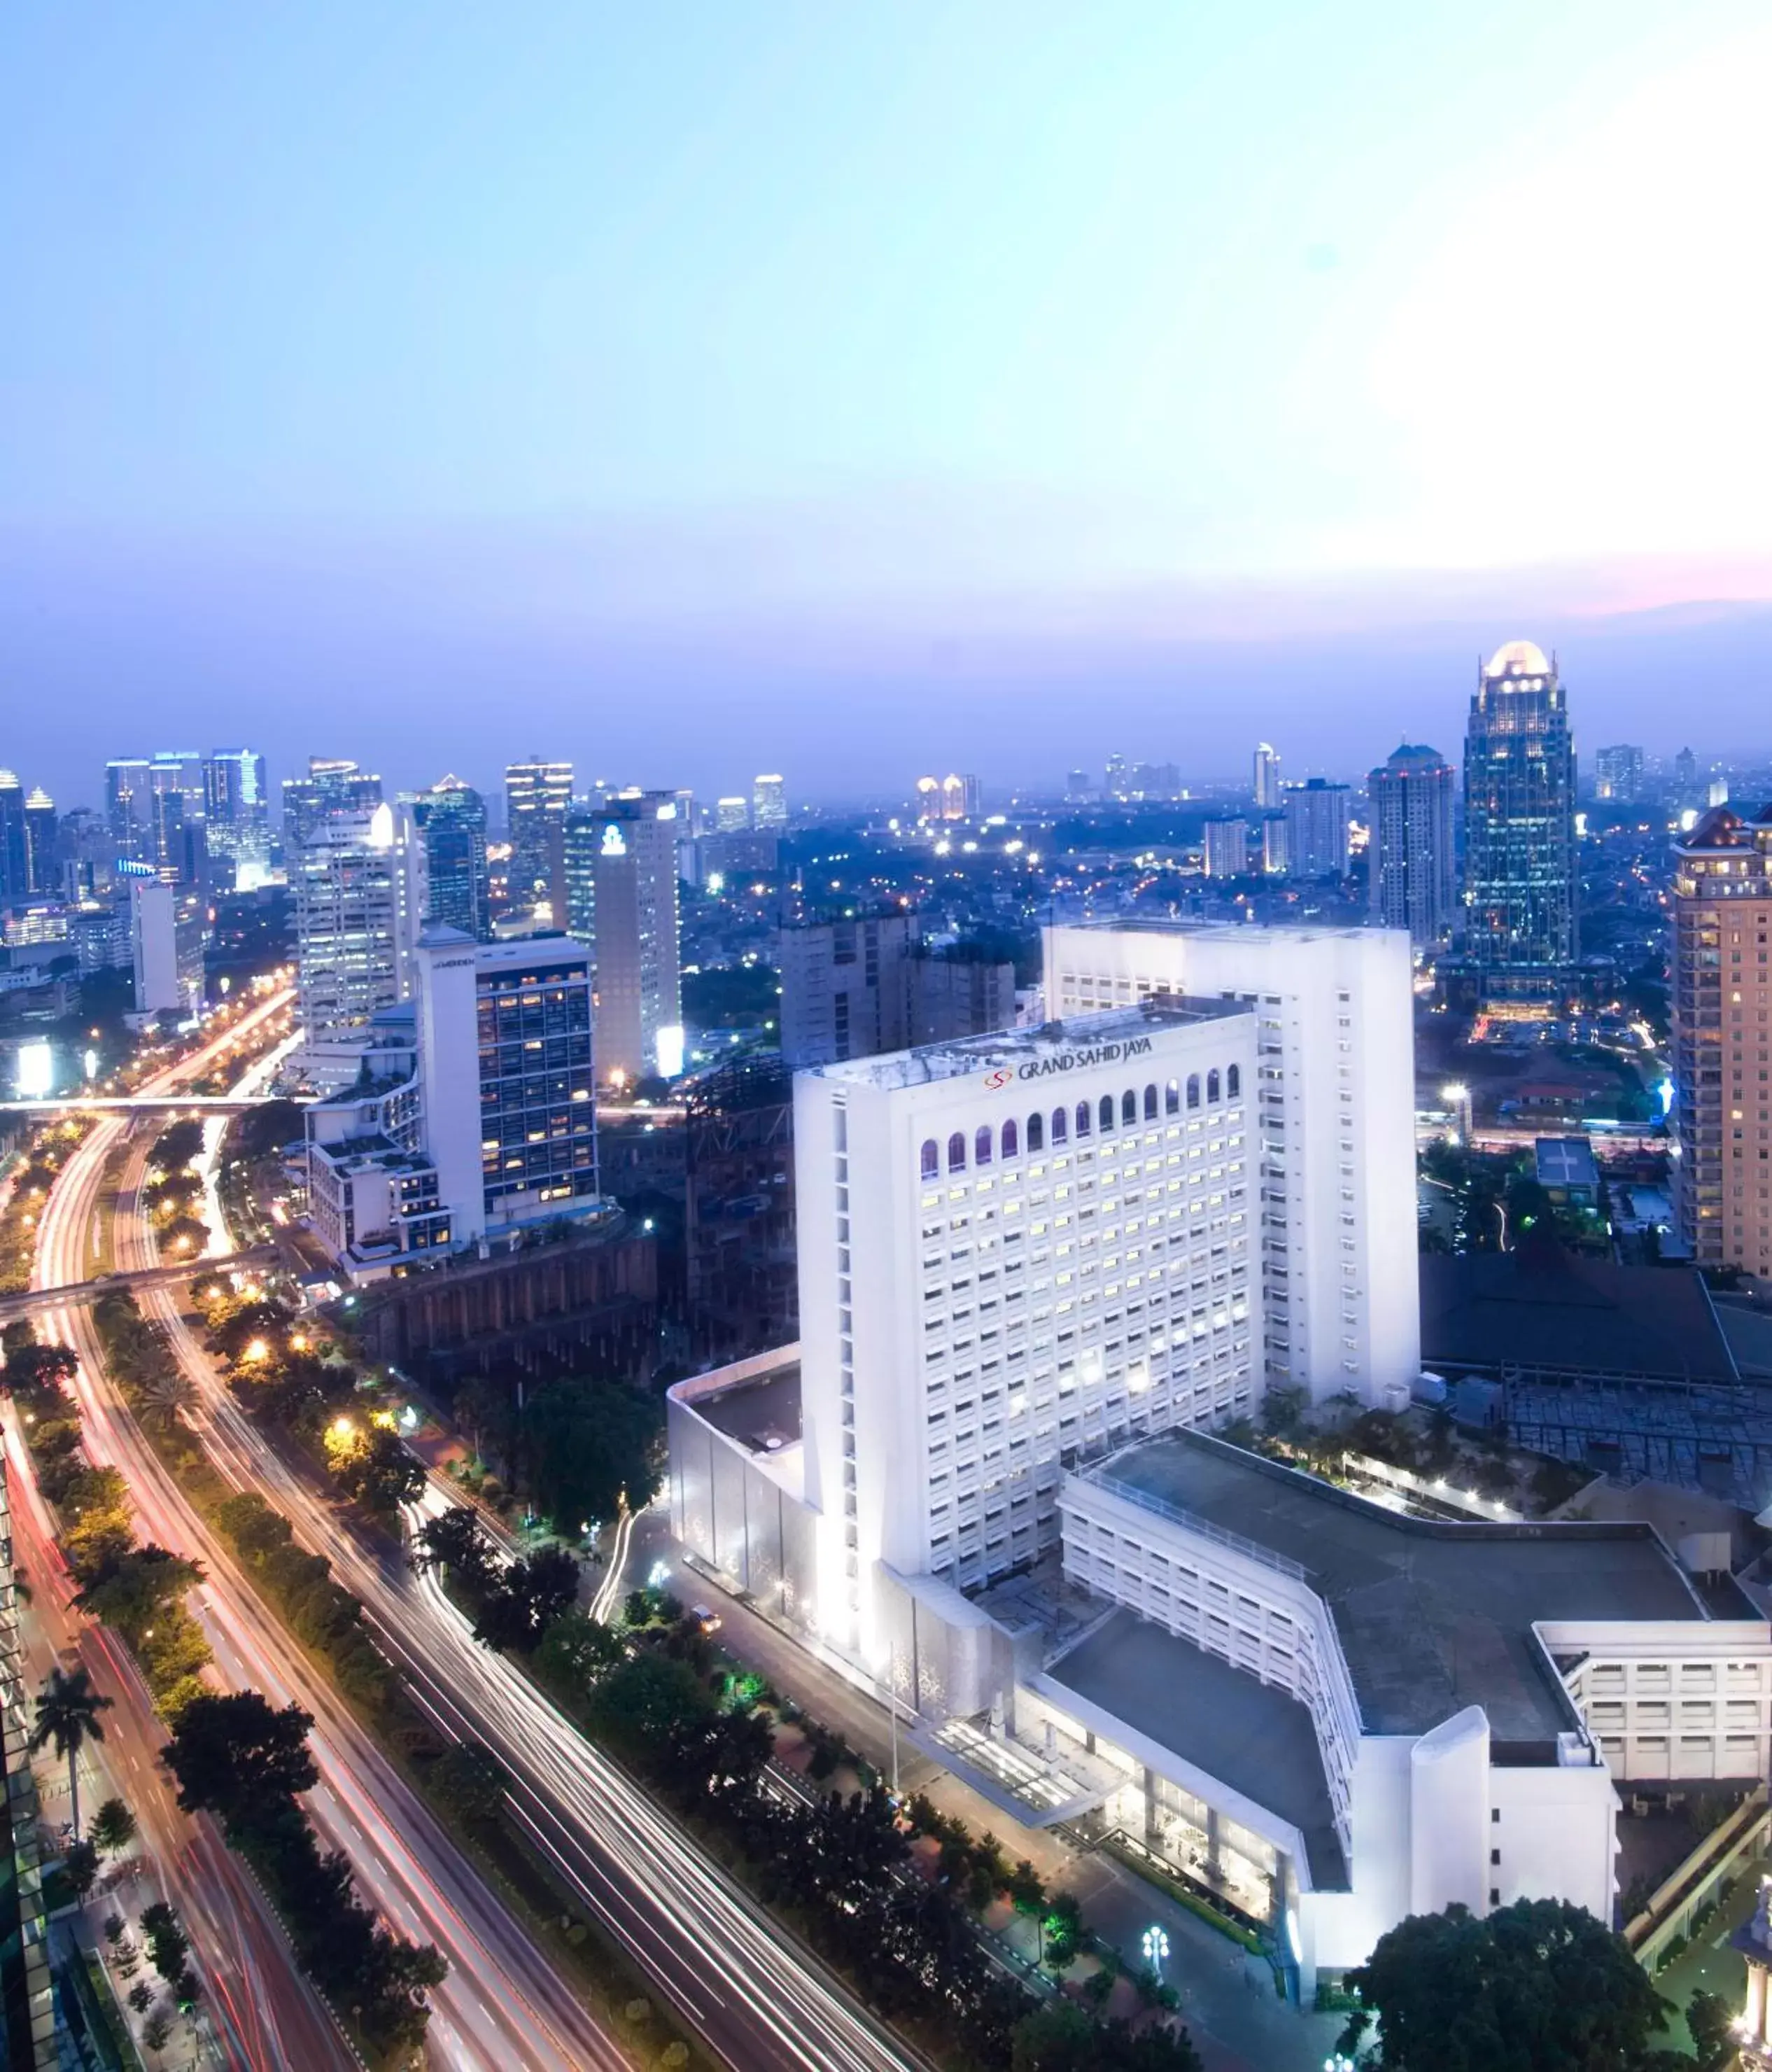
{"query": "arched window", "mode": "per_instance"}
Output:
(956, 1151)
(1011, 1138)
(1234, 1080)
(1061, 1125)
(1212, 1088)
(1036, 1133)
(932, 1159)
(1082, 1118)
(1107, 1111)
(980, 1145)
(1150, 1104)
(1171, 1098)
(1129, 1107)
(1193, 1090)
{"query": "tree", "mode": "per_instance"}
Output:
(67, 1710)
(1531, 1987)
(33, 1366)
(1711, 2021)
(577, 1650)
(163, 1398)
(80, 1867)
(585, 1445)
(138, 1590)
(254, 1528)
(471, 1778)
(456, 1542)
(156, 2030)
(177, 1145)
(239, 1757)
(114, 1827)
(168, 1944)
(1061, 2037)
(380, 1472)
(529, 1597)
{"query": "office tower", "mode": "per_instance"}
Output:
(451, 820)
(178, 824)
(969, 1325)
(1719, 791)
(357, 893)
(956, 993)
(41, 828)
(1618, 774)
(1079, 787)
(622, 899)
(1153, 780)
(770, 805)
(127, 807)
(1275, 854)
(537, 795)
(334, 785)
(472, 1114)
(1686, 778)
(160, 978)
(732, 815)
(1722, 993)
(1225, 848)
(1317, 815)
(1113, 777)
(858, 987)
(14, 841)
(1335, 1116)
(1265, 782)
(1519, 862)
(237, 806)
(1414, 868)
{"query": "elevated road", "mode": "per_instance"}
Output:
(31, 1301)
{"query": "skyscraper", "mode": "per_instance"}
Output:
(620, 872)
(731, 814)
(1686, 778)
(1520, 860)
(1722, 993)
(770, 805)
(127, 807)
(356, 901)
(537, 794)
(14, 843)
(29, 2024)
(1266, 779)
(41, 826)
(1317, 816)
(237, 805)
(1618, 774)
(1414, 870)
(451, 820)
(334, 785)
(177, 820)
(1225, 848)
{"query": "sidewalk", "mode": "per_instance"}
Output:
(1228, 2000)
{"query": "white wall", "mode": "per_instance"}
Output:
(1449, 1815)
(449, 1052)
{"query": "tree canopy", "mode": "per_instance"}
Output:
(587, 1445)
(237, 1756)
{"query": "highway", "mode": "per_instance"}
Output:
(502, 2005)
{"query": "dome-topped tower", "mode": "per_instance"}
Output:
(1518, 658)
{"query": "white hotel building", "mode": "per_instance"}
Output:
(1035, 1272)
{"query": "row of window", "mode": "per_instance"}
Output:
(986, 1144)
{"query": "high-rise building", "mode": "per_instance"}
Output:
(128, 808)
(732, 815)
(29, 2023)
(1276, 856)
(472, 1115)
(1414, 868)
(1317, 817)
(451, 820)
(15, 873)
(1618, 774)
(769, 804)
(1079, 787)
(864, 985)
(237, 806)
(1686, 778)
(334, 785)
(167, 929)
(1225, 848)
(1520, 861)
(1722, 991)
(1334, 1114)
(42, 826)
(537, 795)
(357, 899)
(177, 822)
(621, 897)
(1266, 778)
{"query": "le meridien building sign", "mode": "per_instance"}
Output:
(1067, 1061)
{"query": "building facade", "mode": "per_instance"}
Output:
(1618, 774)
(1722, 991)
(538, 794)
(1520, 880)
(769, 803)
(358, 898)
(15, 872)
(1265, 777)
(334, 785)
(237, 808)
(1318, 815)
(1413, 864)
(1334, 1118)
(622, 898)
(1225, 848)
(451, 820)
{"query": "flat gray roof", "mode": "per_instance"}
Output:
(756, 1411)
(1432, 1618)
(1255, 1739)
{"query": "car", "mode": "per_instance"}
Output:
(706, 1618)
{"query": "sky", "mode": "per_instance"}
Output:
(699, 390)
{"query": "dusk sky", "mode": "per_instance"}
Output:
(697, 389)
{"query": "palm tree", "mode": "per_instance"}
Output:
(164, 1397)
(67, 1710)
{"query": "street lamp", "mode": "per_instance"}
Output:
(1155, 1946)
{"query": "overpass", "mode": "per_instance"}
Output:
(23, 1303)
(139, 1104)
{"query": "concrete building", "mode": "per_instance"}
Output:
(1618, 774)
(858, 987)
(1225, 848)
(167, 931)
(1265, 780)
(1413, 863)
(538, 796)
(15, 874)
(334, 785)
(43, 826)
(769, 804)
(1276, 848)
(1318, 814)
(451, 821)
(732, 815)
(237, 811)
(1520, 880)
(1334, 1114)
(359, 899)
(622, 899)
(471, 1116)
(1722, 991)
(955, 993)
